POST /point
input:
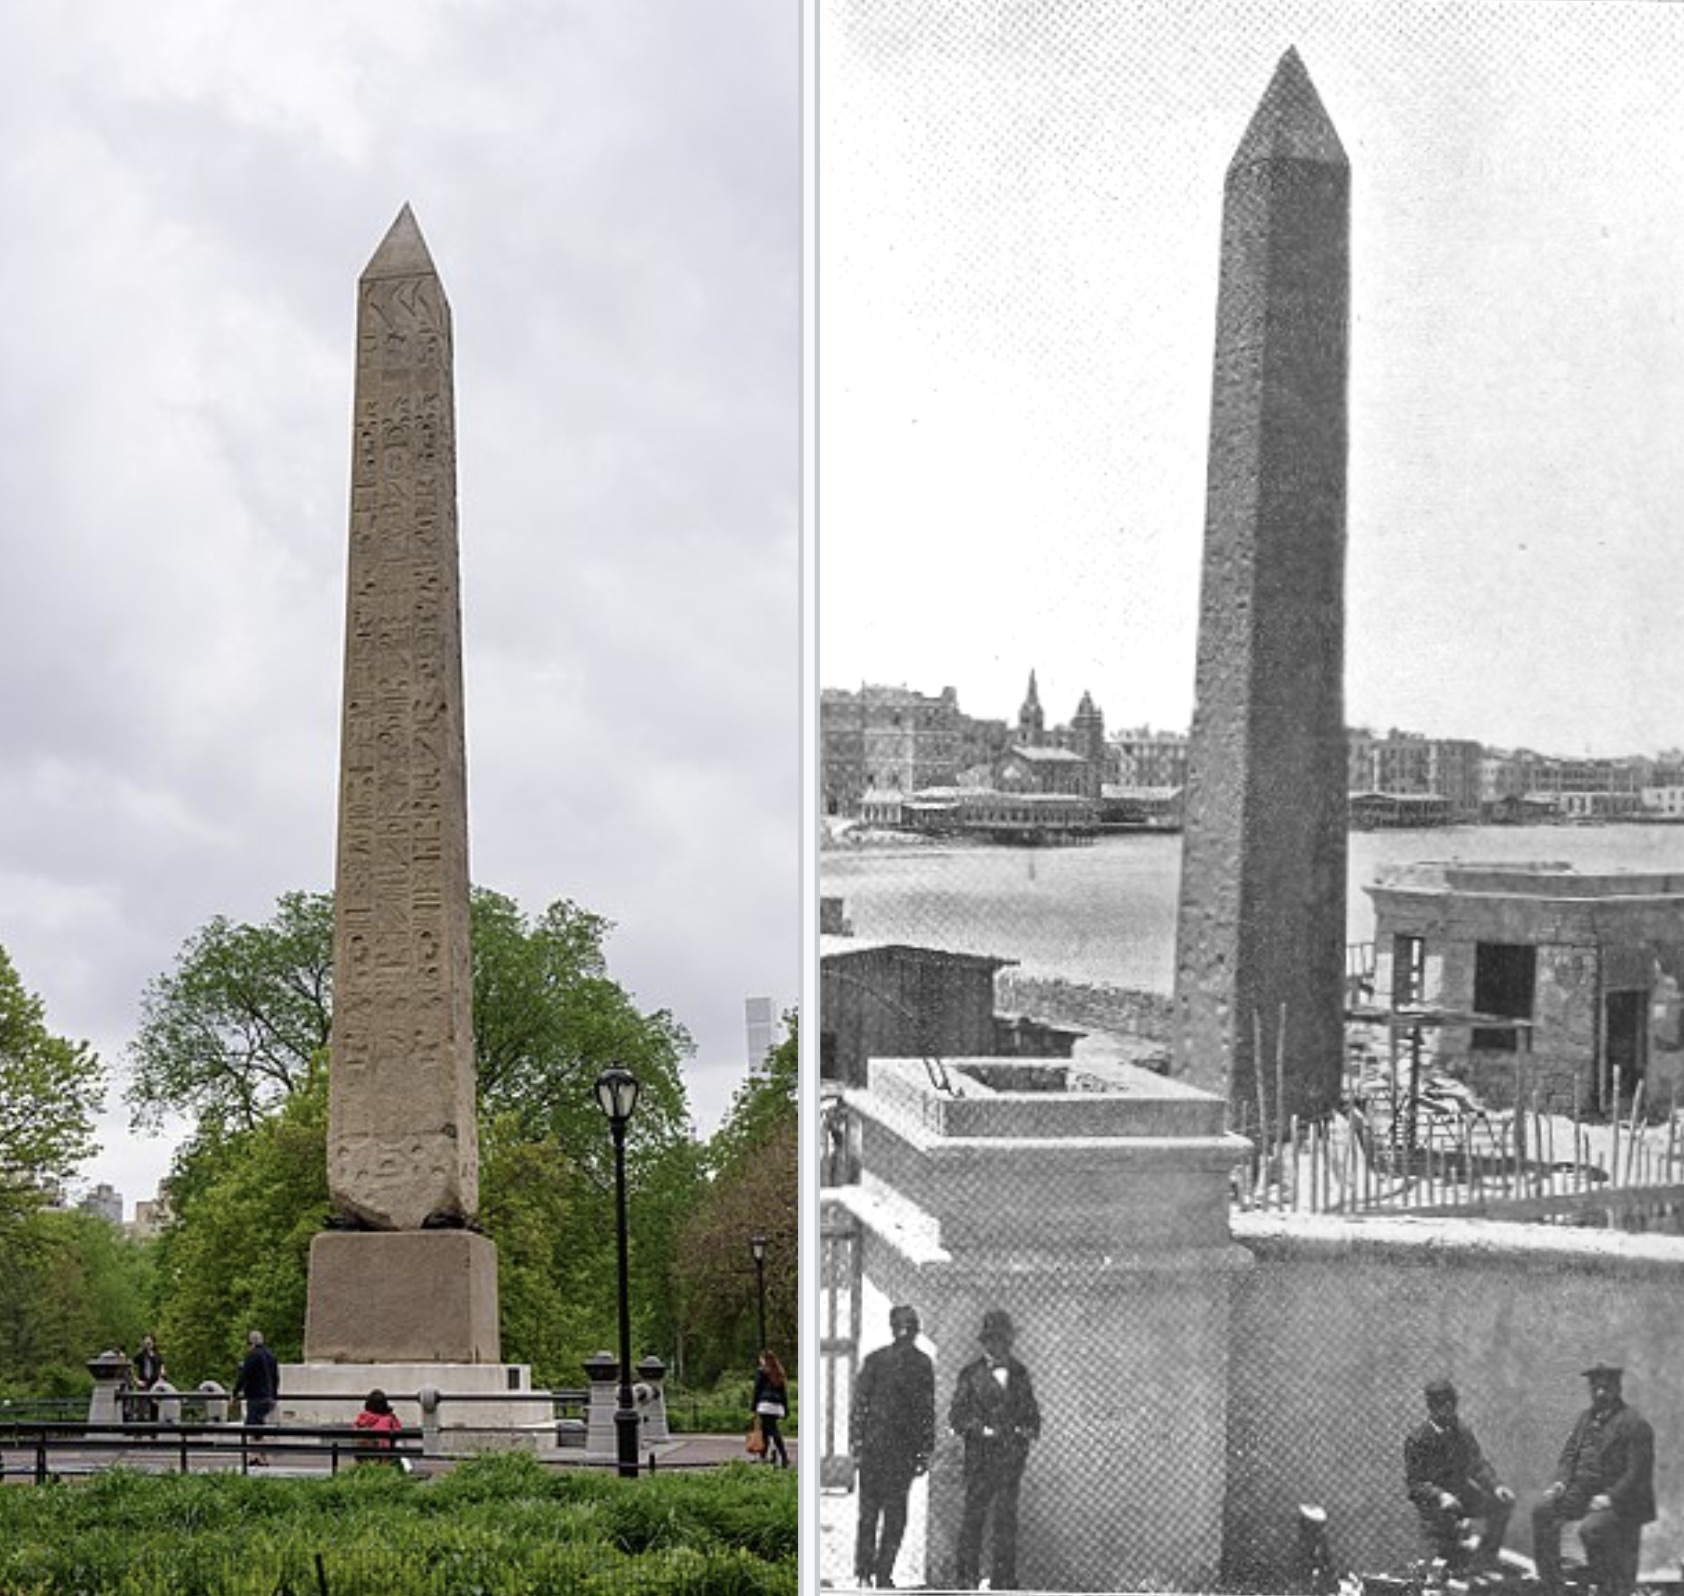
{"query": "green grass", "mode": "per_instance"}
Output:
(500, 1525)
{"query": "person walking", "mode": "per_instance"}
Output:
(771, 1404)
(995, 1413)
(1606, 1478)
(1450, 1482)
(892, 1435)
(258, 1385)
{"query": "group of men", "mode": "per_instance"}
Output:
(893, 1437)
(1604, 1480)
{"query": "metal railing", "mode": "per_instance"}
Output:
(43, 1449)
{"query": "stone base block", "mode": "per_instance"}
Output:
(475, 1399)
(411, 1296)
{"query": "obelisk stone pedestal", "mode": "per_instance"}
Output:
(402, 1297)
(1099, 1221)
(1260, 935)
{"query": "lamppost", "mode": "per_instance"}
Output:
(616, 1095)
(757, 1245)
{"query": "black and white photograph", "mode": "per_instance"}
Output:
(1250, 773)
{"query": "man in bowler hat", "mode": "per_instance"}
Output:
(1606, 1478)
(995, 1413)
(1450, 1481)
(892, 1431)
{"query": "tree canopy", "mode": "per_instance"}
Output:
(237, 1034)
(50, 1091)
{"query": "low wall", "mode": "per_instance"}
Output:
(1340, 1324)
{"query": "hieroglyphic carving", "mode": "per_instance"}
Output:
(401, 1140)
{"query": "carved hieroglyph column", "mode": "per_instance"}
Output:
(1261, 927)
(403, 1162)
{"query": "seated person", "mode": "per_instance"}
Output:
(379, 1420)
(1450, 1482)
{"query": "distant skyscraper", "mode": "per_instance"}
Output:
(758, 1013)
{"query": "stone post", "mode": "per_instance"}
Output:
(602, 1370)
(651, 1393)
(110, 1371)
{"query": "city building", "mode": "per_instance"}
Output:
(1577, 976)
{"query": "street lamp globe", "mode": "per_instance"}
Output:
(616, 1093)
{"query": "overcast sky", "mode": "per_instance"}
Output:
(610, 193)
(1020, 209)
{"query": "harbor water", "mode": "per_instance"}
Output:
(1105, 914)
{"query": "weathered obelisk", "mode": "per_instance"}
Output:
(402, 1280)
(1259, 983)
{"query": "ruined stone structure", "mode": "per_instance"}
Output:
(404, 1281)
(1261, 926)
(1591, 963)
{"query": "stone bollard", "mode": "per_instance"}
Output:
(430, 1399)
(167, 1401)
(110, 1371)
(602, 1369)
(214, 1399)
(651, 1393)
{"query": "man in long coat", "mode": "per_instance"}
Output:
(892, 1434)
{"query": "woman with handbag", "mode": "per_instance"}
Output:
(771, 1403)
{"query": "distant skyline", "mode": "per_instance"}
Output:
(1020, 212)
(1060, 707)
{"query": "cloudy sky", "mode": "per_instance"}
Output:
(1019, 214)
(611, 195)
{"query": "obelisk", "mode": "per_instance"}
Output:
(1260, 936)
(401, 1278)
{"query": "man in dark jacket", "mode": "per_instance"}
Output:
(258, 1384)
(1450, 1481)
(892, 1434)
(995, 1413)
(1606, 1477)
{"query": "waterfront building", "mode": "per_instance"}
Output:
(1578, 976)
(1143, 758)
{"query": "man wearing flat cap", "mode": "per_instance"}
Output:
(995, 1413)
(892, 1434)
(1606, 1478)
(1450, 1482)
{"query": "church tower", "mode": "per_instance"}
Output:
(1087, 738)
(1031, 722)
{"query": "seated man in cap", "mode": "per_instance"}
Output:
(995, 1413)
(1606, 1477)
(1450, 1482)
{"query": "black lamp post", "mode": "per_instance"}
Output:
(757, 1245)
(616, 1095)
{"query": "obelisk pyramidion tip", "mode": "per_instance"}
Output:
(402, 252)
(1290, 123)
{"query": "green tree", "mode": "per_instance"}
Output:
(50, 1091)
(229, 1034)
(71, 1284)
(236, 1035)
(246, 1203)
(754, 1158)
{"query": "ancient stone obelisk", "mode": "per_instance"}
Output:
(402, 1280)
(1260, 936)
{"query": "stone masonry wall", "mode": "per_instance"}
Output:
(1339, 1325)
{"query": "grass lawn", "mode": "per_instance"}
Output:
(494, 1526)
